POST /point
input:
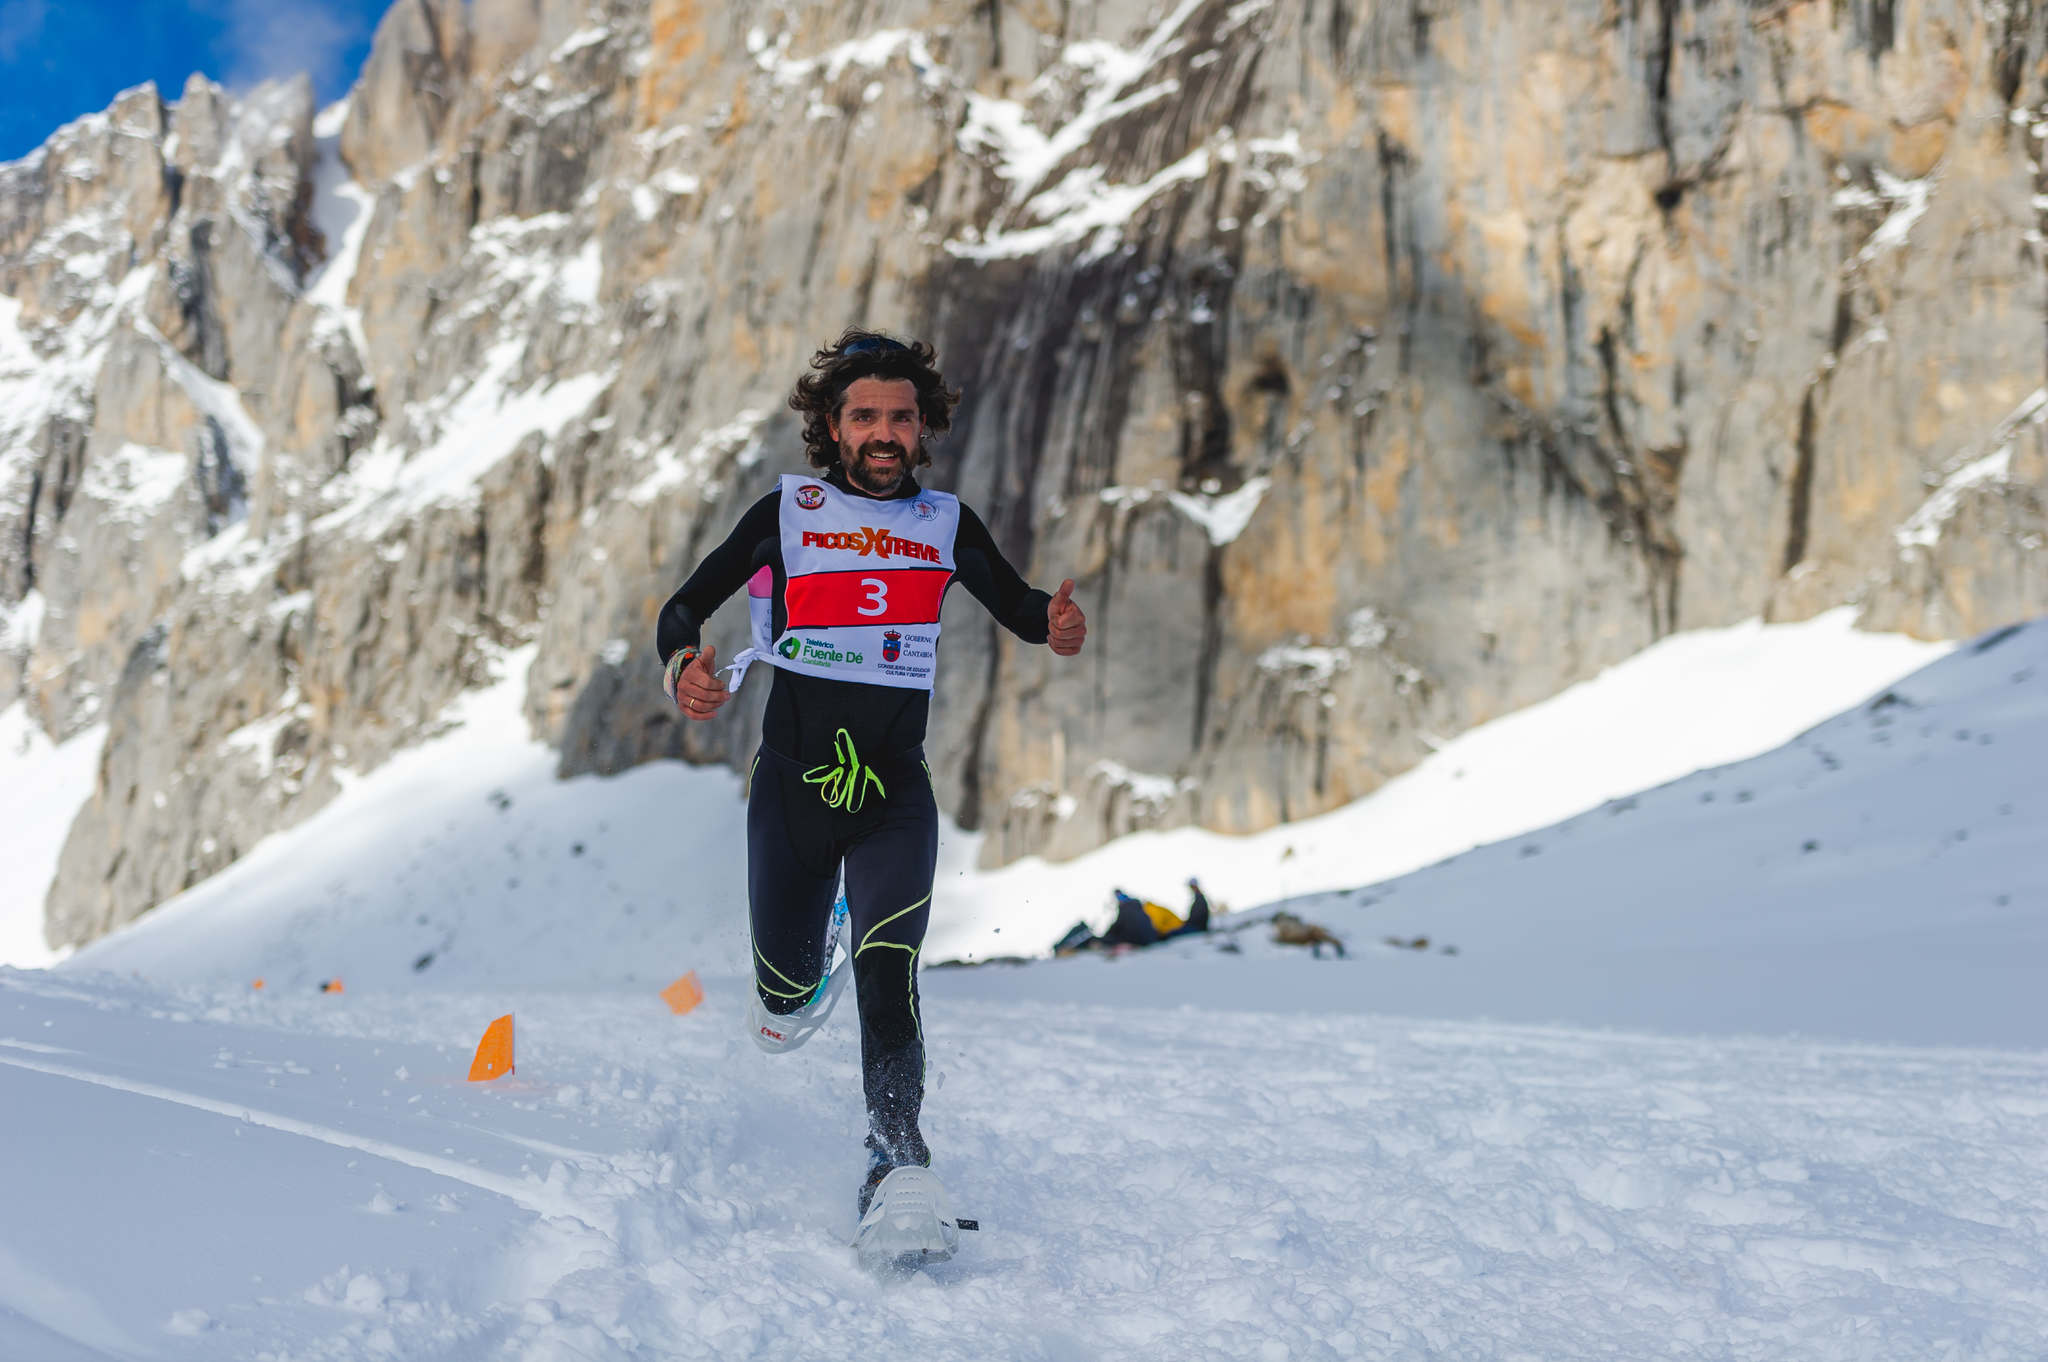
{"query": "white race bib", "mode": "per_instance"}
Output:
(863, 581)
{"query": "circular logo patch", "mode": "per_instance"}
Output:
(924, 510)
(810, 496)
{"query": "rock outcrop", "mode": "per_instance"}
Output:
(1375, 369)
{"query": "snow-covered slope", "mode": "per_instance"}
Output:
(1694, 700)
(1884, 877)
(1187, 1152)
(468, 850)
(465, 863)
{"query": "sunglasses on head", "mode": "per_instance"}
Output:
(873, 345)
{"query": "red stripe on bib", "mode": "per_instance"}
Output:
(829, 600)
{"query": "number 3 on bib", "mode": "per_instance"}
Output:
(878, 596)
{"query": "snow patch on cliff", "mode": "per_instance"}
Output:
(534, 260)
(35, 387)
(580, 280)
(21, 624)
(477, 428)
(1923, 529)
(1085, 201)
(648, 198)
(215, 399)
(1906, 200)
(1221, 516)
(42, 787)
(132, 483)
(1224, 517)
(341, 210)
(588, 36)
(1025, 156)
(1083, 205)
(875, 50)
(1147, 791)
(257, 739)
(704, 466)
(26, 386)
(1305, 665)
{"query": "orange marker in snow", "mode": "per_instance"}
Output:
(493, 1052)
(330, 986)
(684, 994)
(257, 985)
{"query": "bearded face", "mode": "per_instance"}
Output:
(875, 466)
(877, 429)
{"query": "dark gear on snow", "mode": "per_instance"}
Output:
(1139, 922)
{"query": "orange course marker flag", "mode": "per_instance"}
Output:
(684, 994)
(493, 1052)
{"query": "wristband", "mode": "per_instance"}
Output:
(672, 673)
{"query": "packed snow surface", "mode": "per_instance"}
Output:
(1680, 1137)
(309, 1177)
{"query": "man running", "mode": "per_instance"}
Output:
(845, 571)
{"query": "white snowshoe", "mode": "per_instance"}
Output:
(780, 1033)
(908, 1224)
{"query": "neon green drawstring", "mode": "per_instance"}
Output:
(841, 784)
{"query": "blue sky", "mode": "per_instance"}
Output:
(63, 58)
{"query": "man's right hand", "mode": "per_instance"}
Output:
(699, 692)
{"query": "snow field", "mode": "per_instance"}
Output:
(1152, 1183)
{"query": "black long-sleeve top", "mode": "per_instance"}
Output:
(805, 712)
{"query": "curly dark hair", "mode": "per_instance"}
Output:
(861, 354)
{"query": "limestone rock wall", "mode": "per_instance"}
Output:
(1375, 370)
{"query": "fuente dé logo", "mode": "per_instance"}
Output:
(812, 653)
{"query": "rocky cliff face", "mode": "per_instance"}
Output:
(1375, 369)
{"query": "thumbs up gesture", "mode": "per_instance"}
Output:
(694, 685)
(1066, 627)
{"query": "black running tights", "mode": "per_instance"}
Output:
(801, 827)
